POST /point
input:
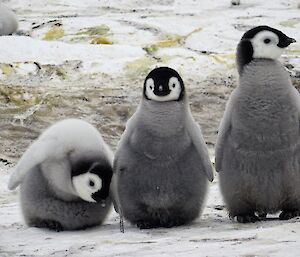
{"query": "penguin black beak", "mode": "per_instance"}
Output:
(161, 91)
(286, 42)
(101, 195)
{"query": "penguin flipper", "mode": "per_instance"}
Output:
(198, 141)
(224, 129)
(33, 156)
(114, 192)
(223, 132)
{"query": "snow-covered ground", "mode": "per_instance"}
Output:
(64, 69)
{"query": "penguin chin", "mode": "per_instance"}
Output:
(172, 96)
(84, 188)
(166, 98)
(271, 52)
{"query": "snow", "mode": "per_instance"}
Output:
(203, 36)
(212, 235)
(112, 57)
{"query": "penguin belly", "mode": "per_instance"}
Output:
(162, 191)
(258, 178)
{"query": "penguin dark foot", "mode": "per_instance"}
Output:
(173, 223)
(50, 224)
(247, 218)
(288, 214)
(144, 224)
(262, 216)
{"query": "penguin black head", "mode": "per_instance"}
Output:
(261, 42)
(163, 84)
(91, 179)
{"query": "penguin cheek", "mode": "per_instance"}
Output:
(86, 185)
(150, 85)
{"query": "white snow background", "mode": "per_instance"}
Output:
(198, 38)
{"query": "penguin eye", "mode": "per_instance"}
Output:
(174, 82)
(267, 41)
(91, 183)
(150, 83)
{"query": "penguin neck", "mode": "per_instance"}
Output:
(162, 118)
(264, 75)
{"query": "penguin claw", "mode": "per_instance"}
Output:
(286, 214)
(163, 224)
(50, 224)
(262, 216)
(247, 218)
(146, 224)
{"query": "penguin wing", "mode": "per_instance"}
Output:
(114, 192)
(296, 98)
(120, 162)
(224, 130)
(198, 141)
(38, 152)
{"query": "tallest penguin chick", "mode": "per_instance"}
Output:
(162, 163)
(258, 145)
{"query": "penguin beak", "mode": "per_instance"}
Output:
(286, 42)
(161, 91)
(100, 196)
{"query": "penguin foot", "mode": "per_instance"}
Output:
(173, 223)
(288, 214)
(50, 224)
(247, 218)
(144, 224)
(163, 224)
(262, 216)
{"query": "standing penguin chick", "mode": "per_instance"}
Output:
(65, 177)
(258, 145)
(162, 164)
(8, 21)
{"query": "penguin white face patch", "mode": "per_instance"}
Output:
(265, 45)
(172, 92)
(86, 185)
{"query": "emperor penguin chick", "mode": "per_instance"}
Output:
(258, 145)
(65, 177)
(162, 165)
(8, 21)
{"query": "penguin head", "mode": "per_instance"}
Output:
(91, 180)
(262, 42)
(163, 84)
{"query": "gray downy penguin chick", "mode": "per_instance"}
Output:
(8, 21)
(65, 177)
(258, 148)
(162, 166)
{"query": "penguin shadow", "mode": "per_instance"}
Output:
(105, 228)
